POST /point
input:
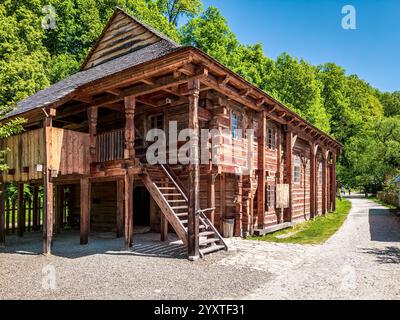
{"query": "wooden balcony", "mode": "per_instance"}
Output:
(110, 146)
(68, 154)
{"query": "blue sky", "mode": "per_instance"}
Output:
(312, 30)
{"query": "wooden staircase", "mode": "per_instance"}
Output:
(171, 196)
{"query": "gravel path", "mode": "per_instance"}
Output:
(361, 261)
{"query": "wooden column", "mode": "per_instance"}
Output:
(120, 207)
(2, 212)
(288, 178)
(130, 105)
(194, 171)
(164, 228)
(85, 205)
(21, 210)
(211, 196)
(35, 207)
(239, 207)
(222, 200)
(92, 119)
(333, 181)
(47, 183)
(324, 182)
(59, 208)
(261, 135)
(313, 185)
(128, 210)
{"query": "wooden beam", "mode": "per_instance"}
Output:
(85, 205)
(128, 210)
(194, 171)
(130, 106)
(262, 168)
(120, 208)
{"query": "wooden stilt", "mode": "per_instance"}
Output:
(288, 179)
(128, 210)
(85, 203)
(333, 181)
(21, 210)
(164, 228)
(312, 181)
(59, 208)
(239, 207)
(324, 181)
(120, 208)
(2, 212)
(211, 196)
(194, 171)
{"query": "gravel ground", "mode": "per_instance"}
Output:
(361, 261)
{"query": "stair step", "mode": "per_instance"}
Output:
(208, 241)
(206, 233)
(166, 188)
(176, 201)
(172, 194)
(183, 214)
(179, 208)
(212, 249)
(184, 222)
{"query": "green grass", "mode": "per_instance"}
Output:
(314, 231)
(387, 205)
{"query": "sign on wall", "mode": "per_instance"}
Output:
(282, 196)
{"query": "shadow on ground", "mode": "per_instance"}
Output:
(384, 226)
(66, 245)
(386, 255)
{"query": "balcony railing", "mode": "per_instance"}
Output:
(110, 146)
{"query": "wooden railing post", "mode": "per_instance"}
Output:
(194, 171)
(130, 105)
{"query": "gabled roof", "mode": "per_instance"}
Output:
(139, 44)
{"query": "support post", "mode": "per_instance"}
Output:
(312, 181)
(120, 208)
(130, 105)
(164, 228)
(334, 186)
(288, 179)
(239, 207)
(128, 210)
(59, 208)
(92, 119)
(324, 181)
(85, 204)
(35, 207)
(211, 196)
(262, 133)
(21, 210)
(2, 212)
(194, 171)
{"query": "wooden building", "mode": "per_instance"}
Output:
(84, 145)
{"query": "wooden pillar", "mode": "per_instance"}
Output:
(128, 210)
(92, 119)
(59, 208)
(120, 208)
(261, 135)
(2, 212)
(324, 182)
(239, 207)
(288, 178)
(222, 200)
(21, 210)
(313, 182)
(333, 181)
(194, 171)
(47, 183)
(85, 205)
(35, 208)
(130, 105)
(211, 196)
(164, 228)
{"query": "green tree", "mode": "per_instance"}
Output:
(173, 9)
(390, 102)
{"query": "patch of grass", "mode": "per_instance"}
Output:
(387, 205)
(314, 231)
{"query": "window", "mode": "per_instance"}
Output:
(271, 138)
(296, 173)
(236, 126)
(156, 121)
(270, 196)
